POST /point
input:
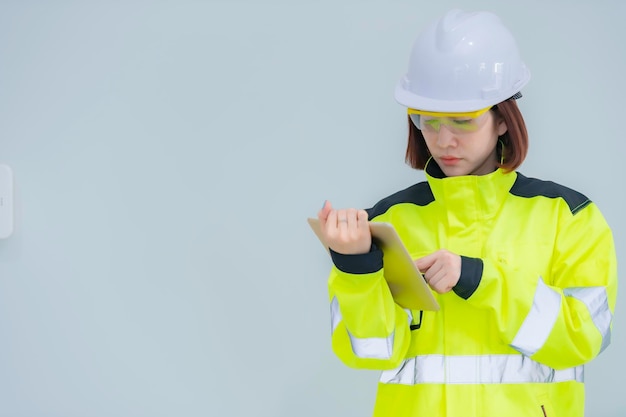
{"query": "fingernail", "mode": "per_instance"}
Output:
(324, 205)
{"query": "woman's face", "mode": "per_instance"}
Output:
(463, 152)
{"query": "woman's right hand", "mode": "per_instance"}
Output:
(345, 231)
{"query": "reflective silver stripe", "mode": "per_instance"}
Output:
(482, 369)
(408, 312)
(372, 347)
(365, 347)
(595, 298)
(540, 320)
(335, 314)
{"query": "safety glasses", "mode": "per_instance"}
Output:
(457, 123)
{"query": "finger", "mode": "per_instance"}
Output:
(426, 262)
(322, 215)
(432, 278)
(435, 277)
(433, 271)
(440, 288)
(441, 282)
(352, 220)
(362, 218)
(362, 224)
(342, 221)
(331, 222)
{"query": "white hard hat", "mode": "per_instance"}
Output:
(462, 62)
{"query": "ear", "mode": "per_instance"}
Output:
(501, 126)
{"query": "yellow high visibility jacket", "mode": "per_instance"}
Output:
(534, 303)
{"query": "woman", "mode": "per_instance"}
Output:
(524, 270)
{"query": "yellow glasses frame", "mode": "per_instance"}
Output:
(470, 114)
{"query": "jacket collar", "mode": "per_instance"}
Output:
(469, 197)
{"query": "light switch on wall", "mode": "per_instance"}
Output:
(6, 201)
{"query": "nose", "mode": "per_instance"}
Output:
(446, 138)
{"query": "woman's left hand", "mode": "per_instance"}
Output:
(441, 269)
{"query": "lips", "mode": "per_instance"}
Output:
(449, 160)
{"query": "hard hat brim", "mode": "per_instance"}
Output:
(414, 101)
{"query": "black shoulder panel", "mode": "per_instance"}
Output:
(419, 194)
(532, 187)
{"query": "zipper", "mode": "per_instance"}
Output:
(544, 411)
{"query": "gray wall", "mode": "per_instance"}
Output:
(167, 153)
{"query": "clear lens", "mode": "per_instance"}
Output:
(457, 125)
(415, 118)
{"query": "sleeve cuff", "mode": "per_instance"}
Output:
(471, 274)
(365, 263)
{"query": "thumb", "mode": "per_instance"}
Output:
(425, 262)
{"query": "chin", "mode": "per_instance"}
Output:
(455, 171)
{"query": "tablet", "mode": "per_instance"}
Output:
(408, 287)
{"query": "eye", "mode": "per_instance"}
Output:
(464, 125)
(432, 123)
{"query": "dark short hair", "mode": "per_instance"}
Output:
(515, 139)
